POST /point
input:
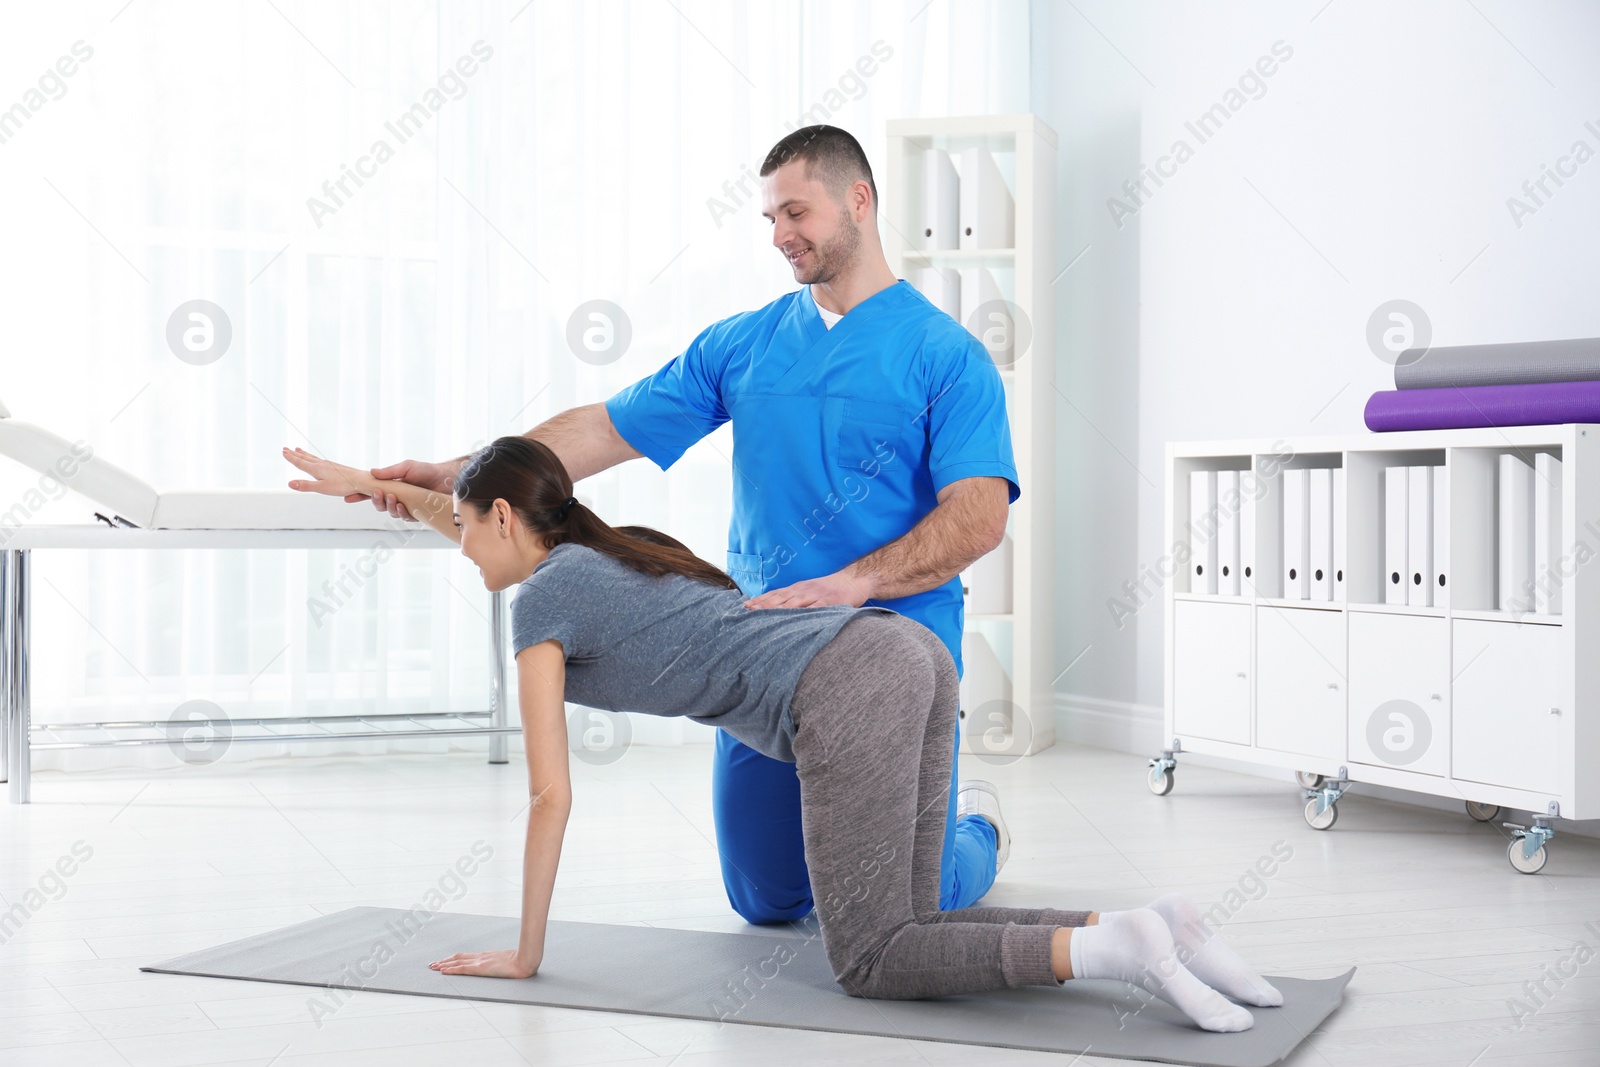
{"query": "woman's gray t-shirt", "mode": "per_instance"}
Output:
(673, 645)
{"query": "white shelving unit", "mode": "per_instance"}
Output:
(1014, 714)
(1496, 708)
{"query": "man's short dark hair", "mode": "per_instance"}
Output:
(832, 157)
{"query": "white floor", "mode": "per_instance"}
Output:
(1444, 933)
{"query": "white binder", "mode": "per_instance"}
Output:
(1320, 536)
(1515, 533)
(1441, 538)
(988, 214)
(942, 287)
(1419, 537)
(1547, 565)
(1296, 534)
(941, 202)
(1261, 531)
(1228, 533)
(1396, 508)
(983, 679)
(1338, 534)
(1248, 506)
(988, 581)
(1202, 531)
(982, 316)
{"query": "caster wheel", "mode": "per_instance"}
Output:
(1483, 812)
(1329, 816)
(1526, 864)
(1160, 781)
(1309, 780)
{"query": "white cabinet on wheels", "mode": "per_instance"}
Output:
(1463, 682)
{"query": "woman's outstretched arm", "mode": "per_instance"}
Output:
(541, 691)
(336, 479)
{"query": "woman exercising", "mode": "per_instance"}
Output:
(861, 700)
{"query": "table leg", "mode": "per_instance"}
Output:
(14, 602)
(5, 667)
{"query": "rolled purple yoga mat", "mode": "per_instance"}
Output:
(1483, 405)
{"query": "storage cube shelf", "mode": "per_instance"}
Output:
(1468, 690)
(1008, 700)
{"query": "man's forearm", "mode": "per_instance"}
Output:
(585, 441)
(946, 542)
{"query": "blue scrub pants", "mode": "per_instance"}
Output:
(755, 801)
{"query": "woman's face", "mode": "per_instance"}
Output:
(498, 542)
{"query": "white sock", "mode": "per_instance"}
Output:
(1136, 946)
(1207, 956)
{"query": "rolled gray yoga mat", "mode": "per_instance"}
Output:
(1519, 363)
(773, 978)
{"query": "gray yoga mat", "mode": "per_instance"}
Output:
(1519, 363)
(779, 978)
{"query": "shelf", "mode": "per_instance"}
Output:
(1511, 617)
(1286, 602)
(1010, 656)
(961, 257)
(1261, 601)
(1474, 706)
(1213, 598)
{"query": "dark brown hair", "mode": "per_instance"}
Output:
(832, 156)
(528, 476)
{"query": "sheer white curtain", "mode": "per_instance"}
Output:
(399, 207)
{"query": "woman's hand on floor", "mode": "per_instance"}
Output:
(499, 964)
(328, 478)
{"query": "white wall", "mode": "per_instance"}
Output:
(1374, 163)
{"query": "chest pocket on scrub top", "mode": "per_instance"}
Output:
(874, 436)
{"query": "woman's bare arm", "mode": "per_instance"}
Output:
(336, 479)
(541, 689)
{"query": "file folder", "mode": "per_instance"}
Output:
(1396, 508)
(988, 581)
(1202, 531)
(942, 287)
(1441, 538)
(983, 679)
(1296, 534)
(988, 214)
(1515, 577)
(1228, 533)
(1547, 562)
(983, 315)
(1320, 536)
(1419, 531)
(941, 202)
(1339, 534)
(1261, 531)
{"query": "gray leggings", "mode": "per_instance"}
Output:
(875, 719)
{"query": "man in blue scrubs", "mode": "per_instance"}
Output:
(872, 459)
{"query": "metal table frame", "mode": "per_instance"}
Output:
(17, 732)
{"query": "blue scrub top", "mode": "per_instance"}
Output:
(841, 437)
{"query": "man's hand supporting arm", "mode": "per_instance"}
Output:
(968, 522)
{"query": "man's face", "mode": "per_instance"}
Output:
(815, 233)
